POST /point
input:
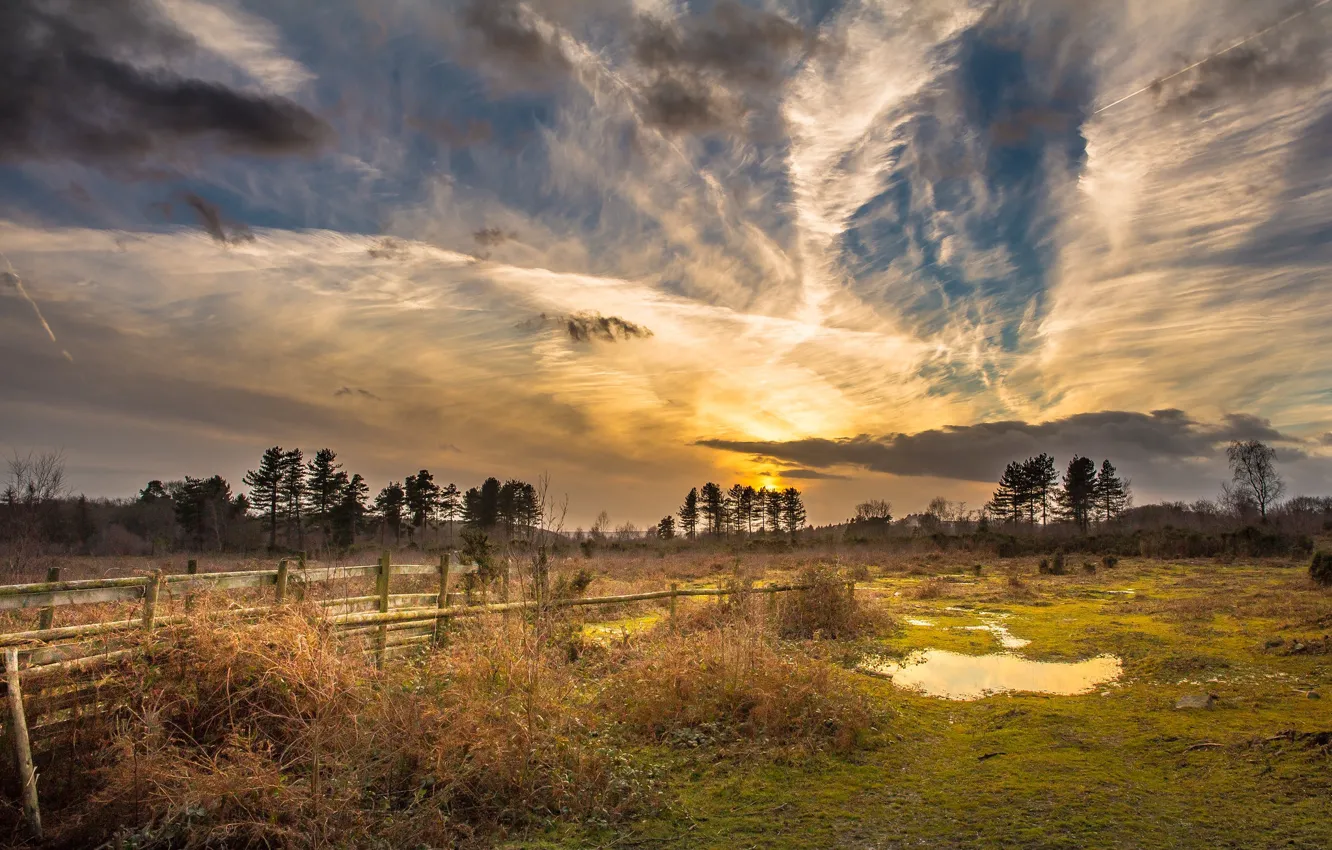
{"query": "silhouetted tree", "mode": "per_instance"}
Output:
(666, 528)
(772, 509)
(1254, 475)
(1111, 493)
(714, 507)
(471, 508)
(793, 510)
(266, 491)
(390, 505)
(1040, 477)
(450, 505)
(294, 495)
(489, 507)
(421, 494)
(154, 492)
(1076, 500)
(348, 515)
(689, 514)
(735, 508)
(1011, 498)
(324, 482)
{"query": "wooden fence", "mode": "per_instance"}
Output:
(58, 665)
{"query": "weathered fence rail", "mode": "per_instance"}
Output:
(59, 664)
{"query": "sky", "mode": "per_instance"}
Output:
(870, 249)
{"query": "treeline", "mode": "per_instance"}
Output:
(294, 497)
(1032, 491)
(742, 509)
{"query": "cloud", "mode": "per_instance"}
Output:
(704, 66)
(810, 475)
(511, 37)
(363, 393)
(489, 237)
(979, 452)
(68, 90)
(1288, 57)
(210, 217)
(589, 327)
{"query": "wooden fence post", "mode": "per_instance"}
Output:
(47, 617)
(280, 589)
(150, 594)
(22, 746)
(191, 568)
(442, 623)
(675, 591)
(382, 588)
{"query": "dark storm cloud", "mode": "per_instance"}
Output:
(979, 452)
(739, 48)
(684, 105)
(67, 92)
(509, 35)
(743, 45)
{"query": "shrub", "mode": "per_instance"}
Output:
(280, 735)
(827, 609)
(734, 681)
(1044, 566)
(1089, 567)
(1320, 568)
(1110, 562)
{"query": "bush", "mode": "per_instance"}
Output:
(825, 610)
(1320, 568)
(1053, 566)
(278, 735)
(733, 681)
(1110, 562)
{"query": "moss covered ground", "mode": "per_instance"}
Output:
(1120, 766)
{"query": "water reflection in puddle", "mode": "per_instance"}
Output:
(940, 673)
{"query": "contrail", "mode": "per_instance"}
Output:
(1238, 44)
(18, 282)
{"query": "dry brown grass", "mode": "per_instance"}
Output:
(733, 681)
(280, 733)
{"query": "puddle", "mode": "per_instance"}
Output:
(923, 623)
(1000, 631)
(940, 673)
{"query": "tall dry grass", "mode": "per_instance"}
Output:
(281, 733)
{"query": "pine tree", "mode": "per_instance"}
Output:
(1040, 477)
(348, 515)
(735, 509)
(793, 510)
(666, 528)
(751, 509)
(714, 507)
(390, 504)
(1009, 499)
(450, 504)
(689, 514)
(489, 507)
(772, 509)
(266, 492)
(1110, 493)
(1076, 500)
(421, 494)
(324, 481)
(294, 495)
(471, 508)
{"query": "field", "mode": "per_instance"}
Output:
(746, 726)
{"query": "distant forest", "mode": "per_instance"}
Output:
(292, 502)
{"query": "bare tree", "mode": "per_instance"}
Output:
(31, 500)
(1253, 474)
(874, 509)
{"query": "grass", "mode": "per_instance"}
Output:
(735, 730)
